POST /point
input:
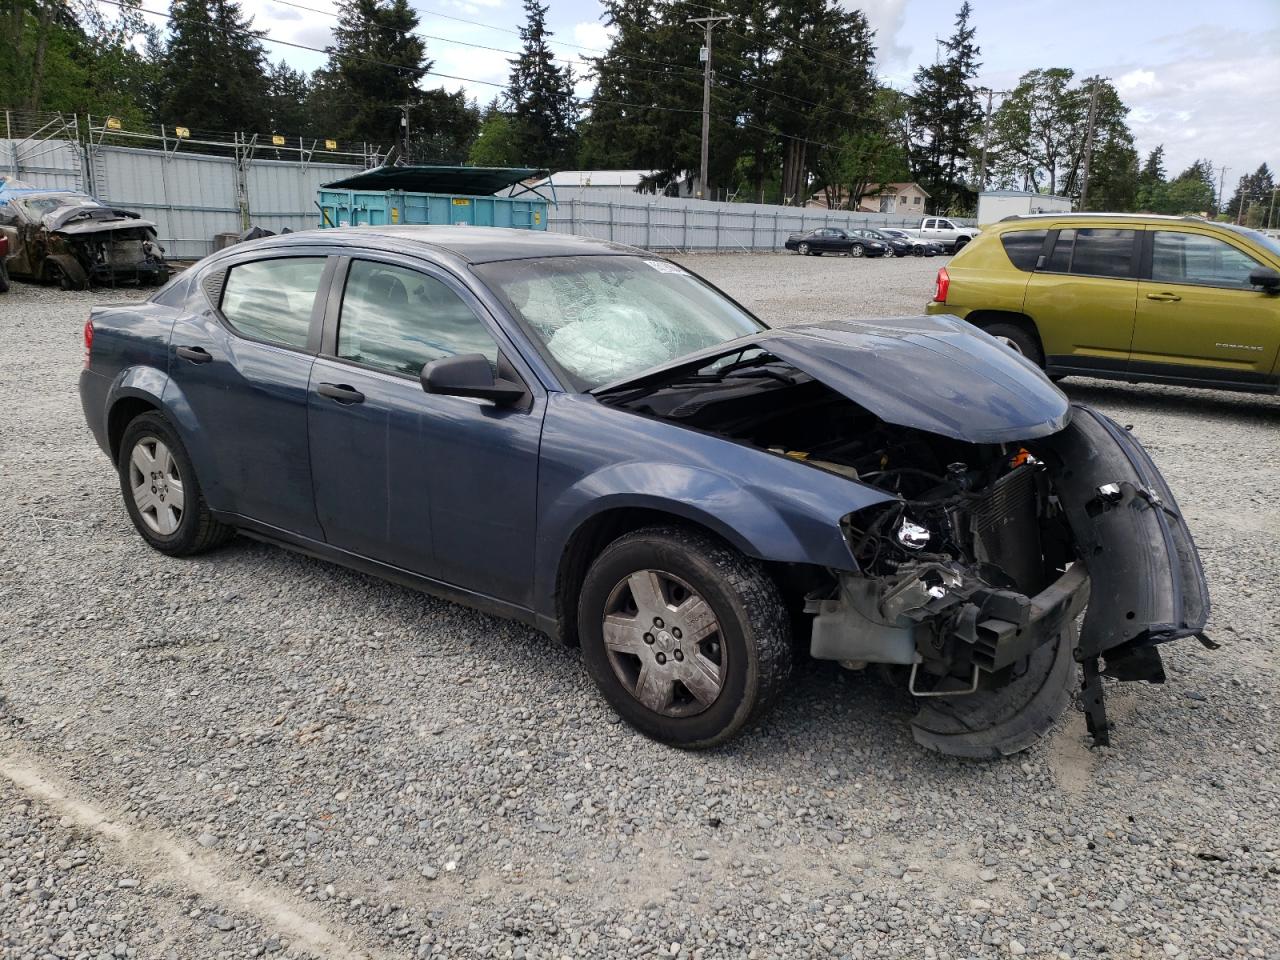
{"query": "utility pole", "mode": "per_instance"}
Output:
(708, 23)
(1088, 139)
(1274, 191)
(1222, 177)
(404, 130)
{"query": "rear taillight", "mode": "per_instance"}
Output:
(88, 341)
(940, 285)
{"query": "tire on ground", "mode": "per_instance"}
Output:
(1006, 720)
(1023, 340)
(197, 530)
(754, 630)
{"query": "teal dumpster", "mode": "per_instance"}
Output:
(436, 195)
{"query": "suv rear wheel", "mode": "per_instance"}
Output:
(1019, 338)
(686, 638)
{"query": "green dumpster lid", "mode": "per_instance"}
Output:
(476, 181)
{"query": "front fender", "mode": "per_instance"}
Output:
(768, 506)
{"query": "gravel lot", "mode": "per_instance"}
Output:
(257, 754)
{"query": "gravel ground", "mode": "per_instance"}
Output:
(254, 753)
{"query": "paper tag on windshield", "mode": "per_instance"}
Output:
(663, 267)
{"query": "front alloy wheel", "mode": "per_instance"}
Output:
(687, 639)
(664, 644)
(803, 249)
(856, 250)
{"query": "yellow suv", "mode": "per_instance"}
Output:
(1129, 297)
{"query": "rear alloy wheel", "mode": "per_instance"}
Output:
(1018, 339)
(161, 492)
(856, 250)
(802, 249)
(686, 638)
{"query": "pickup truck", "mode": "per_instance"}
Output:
(951, 235)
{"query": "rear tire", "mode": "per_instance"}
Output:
(4, 278)
(699, 638)
(161, 492)
(960, 244)
(1018, 338)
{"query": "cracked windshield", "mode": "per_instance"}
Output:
(607, 318)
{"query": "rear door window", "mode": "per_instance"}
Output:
(1023, 247)
(1093, 252)
(271, 300)
(397, 319)
(1207, 261)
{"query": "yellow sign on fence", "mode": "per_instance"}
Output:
(181, 132)
(113, 123)
(331, 144)
(277, 140)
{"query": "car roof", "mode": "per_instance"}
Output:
(470, 244)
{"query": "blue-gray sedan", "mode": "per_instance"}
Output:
(594, 440)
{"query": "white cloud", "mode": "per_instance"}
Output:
(592, 34)
(887, 18)
(1138, 81)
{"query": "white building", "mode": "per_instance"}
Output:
(995, 205)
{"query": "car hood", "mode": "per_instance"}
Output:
(936, 374)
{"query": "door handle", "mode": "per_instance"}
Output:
(340, 392)
(1163, 297)
(194, 354)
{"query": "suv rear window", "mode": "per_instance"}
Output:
(1023, 247)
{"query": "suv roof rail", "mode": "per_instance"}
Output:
(1103, 215)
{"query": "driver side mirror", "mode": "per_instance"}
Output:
(469, 375)
(1266, 278)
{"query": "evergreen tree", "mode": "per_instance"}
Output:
(946, 118)
(374, 66)
(214, 69)
(445, 127)
(1253, 188)
(288, 91)
(544, 111)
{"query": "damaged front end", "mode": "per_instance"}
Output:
(1012, 514)
(74, 241)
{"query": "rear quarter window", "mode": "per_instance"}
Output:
(271, 300)
(1023, 247)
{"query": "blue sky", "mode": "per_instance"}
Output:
(1201, 78)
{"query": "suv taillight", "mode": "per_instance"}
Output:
(88, 341)
(941, 284)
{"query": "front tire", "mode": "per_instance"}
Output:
(857, 250)
(687, 639)
(4, 278)
(998, 722)
(803, 249)
(161, 492)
